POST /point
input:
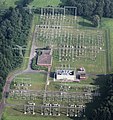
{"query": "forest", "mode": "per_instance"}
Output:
(88, 8)
(24, 3)
(14, 29)
(101, 108)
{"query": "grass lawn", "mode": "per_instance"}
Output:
(35, 118)
(89, 82)
(37, 80)
(83, 23)
(93, 67)
(8, 3)
(43, 3)
(11, 114)
(35, 3)
(107, 23)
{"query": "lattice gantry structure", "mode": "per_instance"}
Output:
(22, 83)
(58, 30)
(57, 15)
(63, 94)
(29, 108)
(50, 109)
(66, 97)
(75, 110)
(55, 103)
(71, 44)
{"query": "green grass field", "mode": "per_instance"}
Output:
(11, 114)
(35, 3)
(107, 23)
(8, 3)
(44, 3)
(37, 80)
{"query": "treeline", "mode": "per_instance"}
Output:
(24, 3)
(104, 111)
(103, 8)
(14, 29)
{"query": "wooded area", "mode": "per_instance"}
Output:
(91, 7)
(14, 29)
(24, 3)
(102, 107)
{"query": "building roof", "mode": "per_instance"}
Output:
(45, 58)
(81, 70)
(65, 72)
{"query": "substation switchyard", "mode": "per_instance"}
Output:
(70, 54)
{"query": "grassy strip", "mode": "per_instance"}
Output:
(27, 53)
(109, 51)
(37, 80)
(43, 3)
(18, 115)
(107, 23)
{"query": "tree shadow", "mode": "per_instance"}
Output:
(18, 109)
(101, 82)
(18, 2)
(52, 74)
(85, 24)
(78, 118)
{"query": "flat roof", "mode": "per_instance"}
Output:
(65, 72)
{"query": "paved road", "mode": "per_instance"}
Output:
(32, 53)
(5, 90)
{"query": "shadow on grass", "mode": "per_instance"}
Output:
(77, 118)
(18, 2)
(18, 109)
(101, 81)
(85, 24)
(52, 74)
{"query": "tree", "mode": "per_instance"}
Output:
(89, 8)
(96, 20)
(14, 29)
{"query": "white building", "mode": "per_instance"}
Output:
(66, 75)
